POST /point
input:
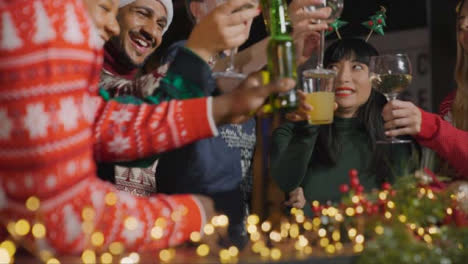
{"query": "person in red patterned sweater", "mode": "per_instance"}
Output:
(53, 126)
(446, 133)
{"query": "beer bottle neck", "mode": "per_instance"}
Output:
(279, 18)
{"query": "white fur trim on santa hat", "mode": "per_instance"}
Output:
(166, 3)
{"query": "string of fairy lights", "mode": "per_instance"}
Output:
(334, 230)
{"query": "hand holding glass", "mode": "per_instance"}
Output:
(390, 75)
(320, 94)
(230, 71)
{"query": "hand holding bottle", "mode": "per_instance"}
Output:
(247, 98)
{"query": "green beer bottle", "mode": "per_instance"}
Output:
(281, 55)
(265, 4)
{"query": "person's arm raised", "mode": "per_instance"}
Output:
(221, 29)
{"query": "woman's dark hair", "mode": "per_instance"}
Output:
(368, 115)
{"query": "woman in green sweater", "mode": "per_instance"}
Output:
(311, 162)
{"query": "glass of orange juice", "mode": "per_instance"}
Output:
(320, 94)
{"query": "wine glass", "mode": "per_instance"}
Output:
(230, 71)
(336, 7)
(390, 75)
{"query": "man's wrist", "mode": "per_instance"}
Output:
(202, 52)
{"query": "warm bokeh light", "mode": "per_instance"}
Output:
(131, 223)
(203, 250)
(251, 229)
(308, 226)
(324, 242)
(33, 203)
(208, 229)
(322, 232)
(161, 222)
(350, 211)
(433, 230)
(388, 215)
(233, 251)
(383, 195)
(88, 214)
(111, 199)
(359, 209)
(338, 246)
(294, 231)
(157, 233)
(116, 248)
(253, 219)
(255, 236)
(379, 230)
(22, 227)
(275, 236)
(352, 233)
(97, 239)
(330, 249)
(106, 258)
(449, 211)
(402, 218)
(53, 261)
(9, 246)
(275, 253)
(359, 239)
(316, 221)
(165, 255)
(38, 231)
(4, 256)
(265, 252)
(427, 238)
(135, 257)
(420, 231)
(195, 236)
(224, 255)
(266, 226)
(358, 248)
(45, 255)
(336, 235)
(88, 257)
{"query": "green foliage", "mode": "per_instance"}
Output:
(401, 244)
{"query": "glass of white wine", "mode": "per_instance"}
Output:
(390, 75)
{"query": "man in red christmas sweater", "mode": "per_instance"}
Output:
(53, 126)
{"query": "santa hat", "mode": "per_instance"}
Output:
(166, 3)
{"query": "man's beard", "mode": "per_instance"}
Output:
(123, 58)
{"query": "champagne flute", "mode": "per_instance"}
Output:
(230, 71)
(390, 75)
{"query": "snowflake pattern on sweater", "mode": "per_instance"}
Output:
(55, 125)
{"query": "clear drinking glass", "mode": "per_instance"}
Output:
(230, 71)
(390, 75)
(320, 94)
(318, 83)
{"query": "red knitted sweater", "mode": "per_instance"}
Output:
(53, 126)
(442, 137)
